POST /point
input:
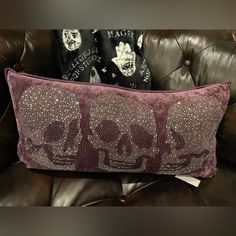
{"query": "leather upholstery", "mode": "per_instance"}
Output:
(177, 59)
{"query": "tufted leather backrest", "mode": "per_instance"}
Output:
(28, 50)
(177, 59)
(184, 59)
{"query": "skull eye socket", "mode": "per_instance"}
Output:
(141, 137)
(179, 140)
(74, 34)
(107, 130)
(54, 131)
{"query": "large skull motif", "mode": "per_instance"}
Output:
(51, 125)
(124, 132)
(191, 127)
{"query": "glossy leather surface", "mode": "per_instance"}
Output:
(177, 59)
(22, 187)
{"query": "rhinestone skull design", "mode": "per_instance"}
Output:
(124, 132)
(190, 125)
(50, 119)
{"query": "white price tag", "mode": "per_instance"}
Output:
(188, 179)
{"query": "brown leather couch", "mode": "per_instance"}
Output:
(177, 59)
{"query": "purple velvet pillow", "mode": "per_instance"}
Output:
(67, 125)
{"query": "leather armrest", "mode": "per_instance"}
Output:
(226, 136)
(8, 138)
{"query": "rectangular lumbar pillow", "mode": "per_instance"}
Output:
(68, 125)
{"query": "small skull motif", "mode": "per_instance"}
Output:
(124, 132)
(191, 126)
(94, 76)
(71, 39)
(50, 120)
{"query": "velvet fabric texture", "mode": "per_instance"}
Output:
(68, 125)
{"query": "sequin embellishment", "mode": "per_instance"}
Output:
(124, 132)
(50, 121)
(191, 129)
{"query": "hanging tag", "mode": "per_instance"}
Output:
(188, 179)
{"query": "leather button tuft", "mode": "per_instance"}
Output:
(123, 199)
(187, 63)
(17, 67)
